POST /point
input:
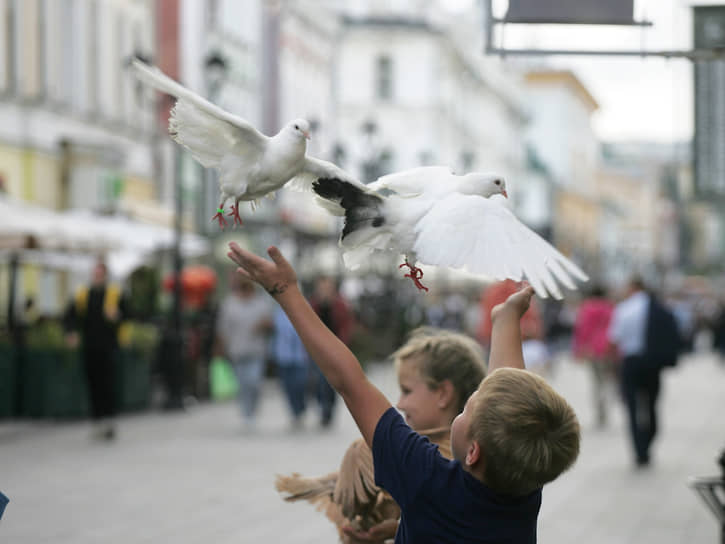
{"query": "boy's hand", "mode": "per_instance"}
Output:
(516, 305)
(377, 533)
(275, 276)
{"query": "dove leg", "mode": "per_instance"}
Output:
(235, 213)
(219, 216)
(415, 274)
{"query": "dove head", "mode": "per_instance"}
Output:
(485, 185)
(298, 128)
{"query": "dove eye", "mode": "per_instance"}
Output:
(497, 182)
(297, 127)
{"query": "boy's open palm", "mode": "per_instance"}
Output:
(276, 276)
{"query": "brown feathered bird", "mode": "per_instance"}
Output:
(349, 497)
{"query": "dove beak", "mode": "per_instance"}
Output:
(504, 193)
(307, 134)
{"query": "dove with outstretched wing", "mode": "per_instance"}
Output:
(250, 164)
(438, 218)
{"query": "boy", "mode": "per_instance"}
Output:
(514, 435)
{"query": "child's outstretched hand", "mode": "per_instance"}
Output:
(276, 276)
(516, 305)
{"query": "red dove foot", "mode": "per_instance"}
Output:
(220, 217)
(415, 274)
(235, 214)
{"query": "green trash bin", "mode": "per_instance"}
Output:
(133, 382)
(54, 385)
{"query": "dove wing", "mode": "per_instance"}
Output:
(206, 130)
(484, 237)
(414, 181)
(313, 169)
(355, 488)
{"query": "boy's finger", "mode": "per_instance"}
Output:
(276, 256)
(242, 256)
(244, 273)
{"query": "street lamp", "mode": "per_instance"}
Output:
(215, 71)
(172, 338)
(215, 74)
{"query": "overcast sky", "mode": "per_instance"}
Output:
(641, 98)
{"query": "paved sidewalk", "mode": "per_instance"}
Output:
(197, 477)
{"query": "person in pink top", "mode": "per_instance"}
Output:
(591, 344)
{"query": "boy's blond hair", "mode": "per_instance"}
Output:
(528, 433)
(441, 355)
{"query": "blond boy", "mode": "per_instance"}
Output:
(514, 435)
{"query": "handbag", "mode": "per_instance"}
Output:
(222, 380)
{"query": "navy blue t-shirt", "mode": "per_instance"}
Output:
(440, 501)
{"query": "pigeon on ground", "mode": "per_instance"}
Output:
(349, 497)
(435, 217)
(251, 165)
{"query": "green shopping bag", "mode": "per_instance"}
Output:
(222, 381)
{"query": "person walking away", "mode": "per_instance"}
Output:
(590, 344)
(335, 313)
(92, 320)
(244, 320)
(292, 363)
(640, 377)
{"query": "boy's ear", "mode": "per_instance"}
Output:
(446, 394)
(473, 454)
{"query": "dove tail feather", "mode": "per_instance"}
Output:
(362, 208)
(309, 489)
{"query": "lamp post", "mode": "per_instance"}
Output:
(172, 336)
(215, 74)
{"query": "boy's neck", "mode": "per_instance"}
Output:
(475, 470)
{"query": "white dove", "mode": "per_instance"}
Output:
(251, 165)
(435, 217)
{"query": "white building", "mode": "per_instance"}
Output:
(560, 128)
(73, 132)
(409, 95)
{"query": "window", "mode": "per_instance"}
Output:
(384, 77)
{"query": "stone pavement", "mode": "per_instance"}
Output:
(198, 477)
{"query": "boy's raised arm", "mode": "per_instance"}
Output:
(342, 370)
(506, 331)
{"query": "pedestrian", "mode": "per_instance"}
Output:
(590, 344)
(244, 321)
(335, 313)
(514, 435)
(91, 321)
(640, 376)
(292, 363)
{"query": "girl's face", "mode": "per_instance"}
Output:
(419, 403)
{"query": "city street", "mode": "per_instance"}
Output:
(198, 477)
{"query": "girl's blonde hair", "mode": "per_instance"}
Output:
(528, 433)
(441, 355)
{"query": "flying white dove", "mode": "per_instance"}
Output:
(251, 165)
(435, 217)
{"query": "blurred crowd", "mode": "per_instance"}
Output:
(230, 338)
